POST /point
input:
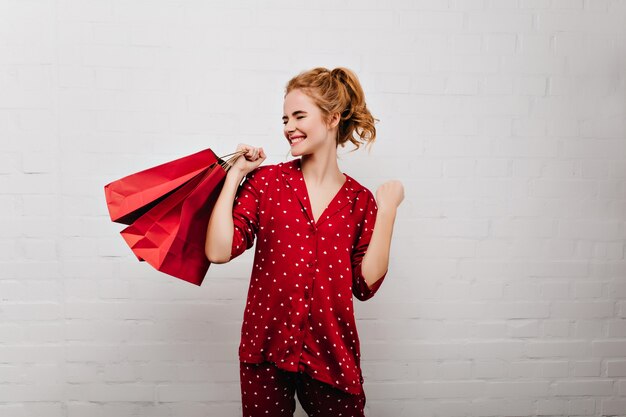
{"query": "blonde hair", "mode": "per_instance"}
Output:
(338, 91)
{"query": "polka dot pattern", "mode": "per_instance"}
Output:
(267, 390)
(299, 310)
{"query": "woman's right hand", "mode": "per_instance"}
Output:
(250, 160)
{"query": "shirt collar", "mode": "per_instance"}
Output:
(292, 173)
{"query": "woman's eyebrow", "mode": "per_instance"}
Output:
(295, 113)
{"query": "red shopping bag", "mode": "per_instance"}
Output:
(170, 235)
(131, 196)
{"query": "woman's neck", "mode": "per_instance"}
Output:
(321, 169)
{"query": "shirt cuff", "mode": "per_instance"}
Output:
(238, 246)
(363, 291)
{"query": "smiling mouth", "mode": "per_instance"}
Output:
(296, 140)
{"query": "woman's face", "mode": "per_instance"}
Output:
(305, 129)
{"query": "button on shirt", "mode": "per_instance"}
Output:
(299, 310)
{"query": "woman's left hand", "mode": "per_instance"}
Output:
(389, 195)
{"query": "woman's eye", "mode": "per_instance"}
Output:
(299, 117)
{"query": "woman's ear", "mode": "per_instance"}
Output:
(334, 120)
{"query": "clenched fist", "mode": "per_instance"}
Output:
(250, 160)
(389, 195)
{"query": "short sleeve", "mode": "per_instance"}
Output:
(246, 211)
(360, 289)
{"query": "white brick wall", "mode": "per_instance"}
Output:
(505, 120)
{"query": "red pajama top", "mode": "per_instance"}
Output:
(299, 311)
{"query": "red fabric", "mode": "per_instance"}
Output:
(300, 307)
(267, 390)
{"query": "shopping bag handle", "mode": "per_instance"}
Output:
(228, 163)
(241, 152)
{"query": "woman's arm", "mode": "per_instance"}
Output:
(220, 229)
(376, 258)
(219, 235)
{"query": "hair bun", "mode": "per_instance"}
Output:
(337, 72)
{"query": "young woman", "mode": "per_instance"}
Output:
(316, 247)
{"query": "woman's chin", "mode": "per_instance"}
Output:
(295, 151)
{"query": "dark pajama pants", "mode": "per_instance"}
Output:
(267, 390)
